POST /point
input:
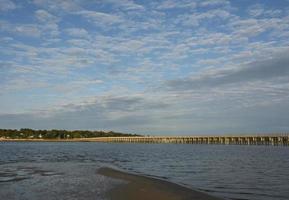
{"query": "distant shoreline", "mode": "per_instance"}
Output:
(49, 140)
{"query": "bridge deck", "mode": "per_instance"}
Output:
(240, 140)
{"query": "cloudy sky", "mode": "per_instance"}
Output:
(151, 67)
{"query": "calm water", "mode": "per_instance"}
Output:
(49, 170)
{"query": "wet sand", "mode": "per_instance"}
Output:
(145, 188)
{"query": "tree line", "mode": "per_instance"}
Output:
(26, 133)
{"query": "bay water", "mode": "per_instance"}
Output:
(68, 170)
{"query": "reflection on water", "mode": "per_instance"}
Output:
(16, 173)
(234, 172)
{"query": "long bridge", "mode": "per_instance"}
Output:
(280, 139)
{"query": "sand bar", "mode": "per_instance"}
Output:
(146, 188)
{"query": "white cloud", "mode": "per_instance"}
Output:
(196, 18)
(31, 30)
(256, 10)
(58, 5)
(44, 16)
(205, 3)
(100, 18)
(50, 29)
(170, 4)
(6, 5)
(48, 23)
(128, 5)
(259, 10)
(253, 27)
(77, 32)
(72, 87)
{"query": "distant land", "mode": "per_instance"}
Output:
(26, 133)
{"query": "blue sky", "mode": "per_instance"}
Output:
(150, 67)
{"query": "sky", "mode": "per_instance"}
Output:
(172, 67)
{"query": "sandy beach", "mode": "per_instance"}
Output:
(144, 188)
